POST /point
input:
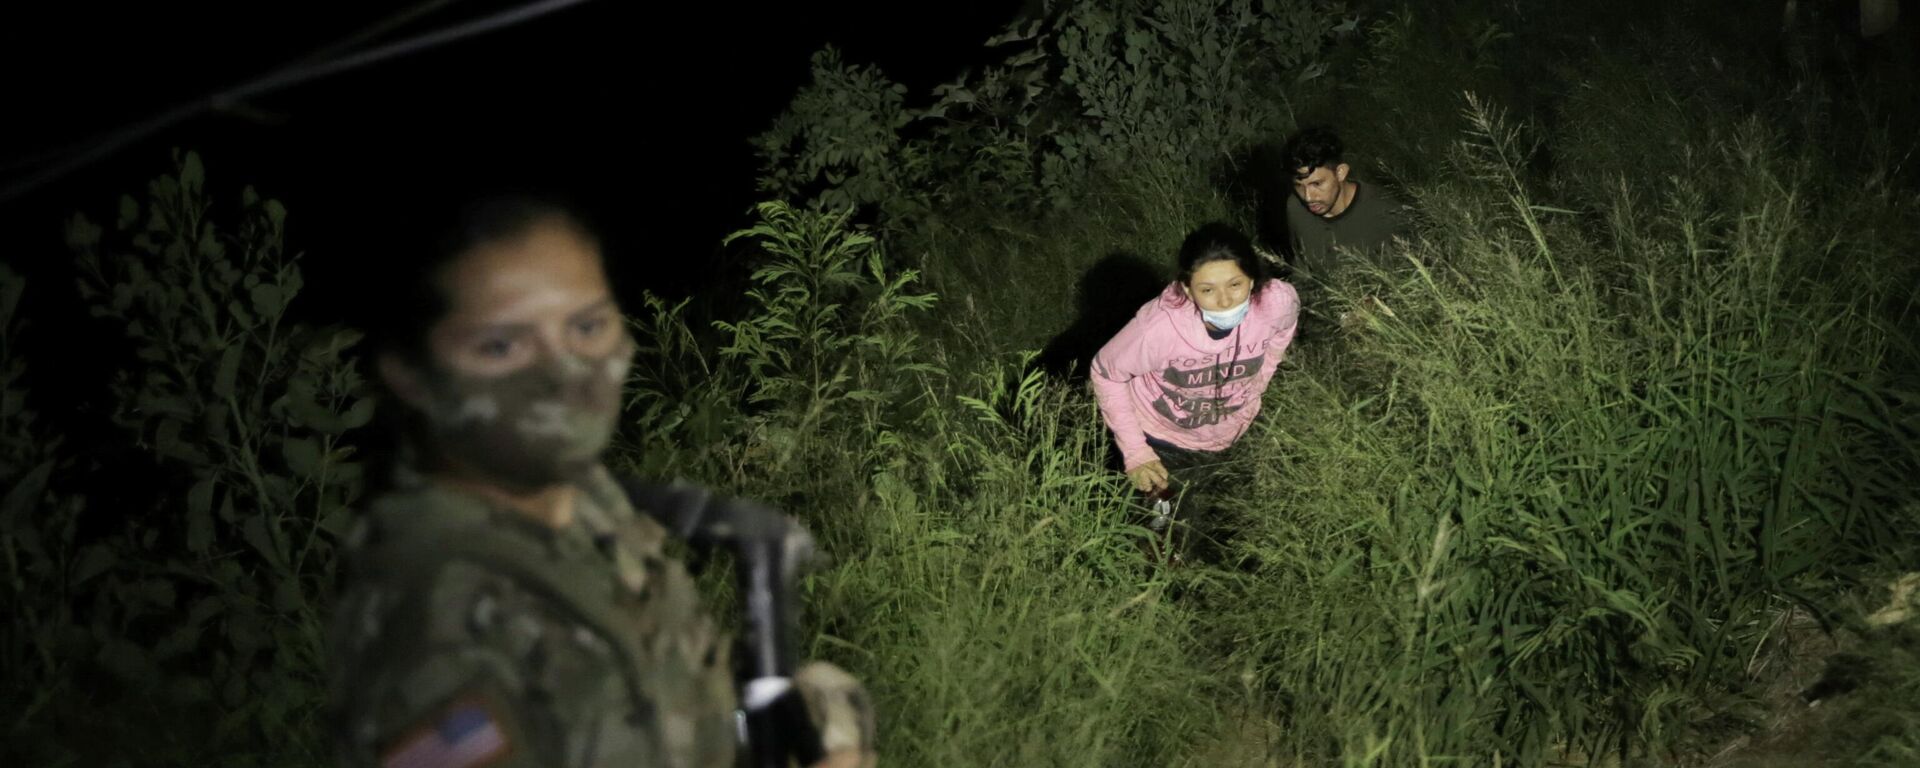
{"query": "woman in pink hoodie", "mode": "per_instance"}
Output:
(1186, 374)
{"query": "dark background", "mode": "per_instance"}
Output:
(639, 112)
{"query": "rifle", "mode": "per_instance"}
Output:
(769, 549)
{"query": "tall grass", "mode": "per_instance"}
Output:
(1538, 500)
(985, 582)
(1569, 489)
(1536, 487)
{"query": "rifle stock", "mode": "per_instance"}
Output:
(768, 548)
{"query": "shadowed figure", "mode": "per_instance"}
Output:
(1108, 295)
(1261, 184)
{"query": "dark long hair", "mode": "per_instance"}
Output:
(398, 312)
(398, 322)
(1219, 241)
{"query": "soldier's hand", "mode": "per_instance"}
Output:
(848, 758)
(841, 712)
(1149, 477)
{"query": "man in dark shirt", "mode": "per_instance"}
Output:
(1331, 210)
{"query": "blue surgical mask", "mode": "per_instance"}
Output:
(1227, 319)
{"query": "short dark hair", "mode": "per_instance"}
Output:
(1316, 147)
(399, 324)
(1219, 241)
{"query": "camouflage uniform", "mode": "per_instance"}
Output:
(468, 630)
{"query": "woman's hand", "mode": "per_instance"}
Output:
(1149, 477)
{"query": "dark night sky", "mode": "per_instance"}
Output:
(642, 115)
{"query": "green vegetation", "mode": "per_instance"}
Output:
(1544, 485)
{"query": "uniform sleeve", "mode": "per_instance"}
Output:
(471, 672)
(470, 718)
(1125, 356)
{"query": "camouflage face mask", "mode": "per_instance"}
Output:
(532, 428)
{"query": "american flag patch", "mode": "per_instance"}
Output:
(468, 735)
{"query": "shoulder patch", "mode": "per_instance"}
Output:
(465, 735)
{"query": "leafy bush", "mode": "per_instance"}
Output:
(205, 608)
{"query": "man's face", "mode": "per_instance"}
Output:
(1320, 188)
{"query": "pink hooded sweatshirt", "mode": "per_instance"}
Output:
(1163, 375)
